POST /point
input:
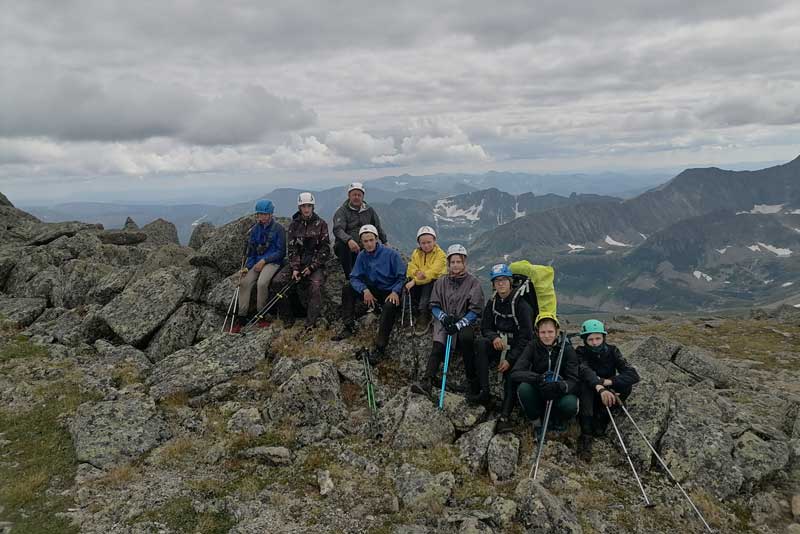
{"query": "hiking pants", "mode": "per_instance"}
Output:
(464, 341)
(347, 258)
(388, 311)
(313, 284)
(421, 297)
(533, 404)
(261, 281)
(488, 356)
(592, 409)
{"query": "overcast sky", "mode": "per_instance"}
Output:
(149, 96)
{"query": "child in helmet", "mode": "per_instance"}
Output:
(456, 304)
(534, 373)
(605, 374)
(309, 251)
(506, 329)
(266, 250)
(428, 263)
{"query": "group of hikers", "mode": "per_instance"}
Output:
(513, 334)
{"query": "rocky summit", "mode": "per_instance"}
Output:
(123, 408)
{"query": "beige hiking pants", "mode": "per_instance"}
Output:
(261, 280)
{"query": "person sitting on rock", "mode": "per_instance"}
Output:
(534, 373)
(428, 264)
(605, 375)
(309, 250)
(377, 278)
(348, 220)
(456, 304)
(506, 329)
(266, 250)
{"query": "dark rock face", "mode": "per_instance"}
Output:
(161, 232)
(200, 234)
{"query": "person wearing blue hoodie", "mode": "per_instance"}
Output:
(377, 278)
(266, 250)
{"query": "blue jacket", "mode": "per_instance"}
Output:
(383, 269)
(266, 243)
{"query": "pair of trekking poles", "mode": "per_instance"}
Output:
(647, 503)
(230, 316)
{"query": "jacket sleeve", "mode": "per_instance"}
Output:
(436, 268)
(488, 328)
(295, 249)
(339, 225)
(359, 270)
(252, 257)
(626, 373)
(437, 296)
(569, 369)
(586, 373)
(323, 252)
(277, 249)
(377, 222)
(476, 301)
(413, 266)
(399, 271)
(525, 333)
(521, 370)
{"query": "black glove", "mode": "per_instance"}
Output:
(449, 324)
(553, 390)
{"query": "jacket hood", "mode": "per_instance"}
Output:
(364, 206)
(299, 216)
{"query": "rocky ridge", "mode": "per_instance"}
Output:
(151, 420)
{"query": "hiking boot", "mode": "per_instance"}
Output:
(585, 447)
(422, 388)
(263, 323)
(422, 324)
(376, 356)
(482, 397)
(238, 324)
(503, 425)
(557, 425)
(599, 427)
(344, 333)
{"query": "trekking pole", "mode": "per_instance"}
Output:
(444, 372)
(369, 385)
(272, 302)
(664, 465)
(410, 309)
(647, 503)
(403, 310)
(535, 468)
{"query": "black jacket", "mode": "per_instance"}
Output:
(537, 359)
(347, 222)
(497, 318)
(595, 367)
(309, 242)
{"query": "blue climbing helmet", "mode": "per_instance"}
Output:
(265, 206)
(501, 269)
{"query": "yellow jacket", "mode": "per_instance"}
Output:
(433, 264)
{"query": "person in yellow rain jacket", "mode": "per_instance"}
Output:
(427, 263)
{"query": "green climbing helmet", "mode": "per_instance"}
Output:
(592, 326)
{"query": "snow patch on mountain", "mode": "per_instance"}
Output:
(575, 248)
(763, 209)
(755, 248)
(781, 252)
(200, 220)
(614, 243)
(722, 250)
(787, 284)
(700, 274)
(794, 212)
(643, 236)
(517, 212)
(446, 210)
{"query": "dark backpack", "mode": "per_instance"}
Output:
(521, 288)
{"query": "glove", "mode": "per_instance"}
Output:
(442, 315)
(462, 323)
(450, 325)
(553, 390)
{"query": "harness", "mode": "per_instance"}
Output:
(261, 249)
(521, 290)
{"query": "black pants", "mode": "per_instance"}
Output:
(388, 311)
(592, 408)
(465, 342)
(421, 297)
(487, 356)
(347, 258)
(313, 283)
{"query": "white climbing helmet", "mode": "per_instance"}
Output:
(456, 249)
(356, 185)
(368, 228)
(305, 198)
(425, 230)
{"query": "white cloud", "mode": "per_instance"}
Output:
(359, 145)
(304, 153)
(431, 140)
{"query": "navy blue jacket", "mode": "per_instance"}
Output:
(268, 243)
(383, 269)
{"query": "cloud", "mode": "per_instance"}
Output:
(306, 152)
(359, 145)
(69, 107)
(435, 141)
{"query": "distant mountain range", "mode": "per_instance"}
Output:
(706, 238)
